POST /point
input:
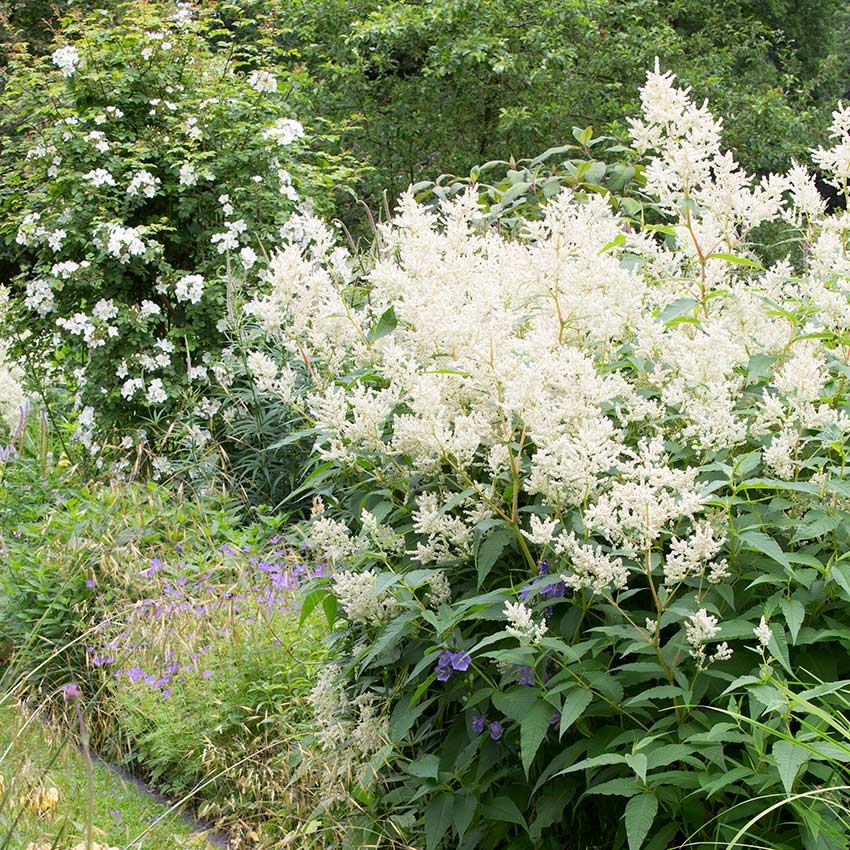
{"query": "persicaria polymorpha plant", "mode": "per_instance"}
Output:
(620, 443)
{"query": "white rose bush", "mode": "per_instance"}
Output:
(582, 496)
(152, 170)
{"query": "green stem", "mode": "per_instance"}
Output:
(84, 735)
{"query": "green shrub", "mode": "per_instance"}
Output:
(146, 172)
(440, 85)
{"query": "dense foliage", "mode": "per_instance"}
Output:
(439, 86)
(571, 429)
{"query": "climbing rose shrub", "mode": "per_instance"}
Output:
(583, 492)
(149, 172)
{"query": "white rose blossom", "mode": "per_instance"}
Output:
(99, 177)
(190, 288)
(66, 59)
(262, 81)
(284, 131)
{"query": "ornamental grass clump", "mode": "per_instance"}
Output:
(592, 481)
(206, 682)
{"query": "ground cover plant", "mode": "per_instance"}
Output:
(45, 794)
(179, 627)
(208, 681)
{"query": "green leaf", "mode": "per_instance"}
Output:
(825, 688)
(574, 705)
(330, 605)
(405, 714)
(391, 635)
(491, 549)
(462, 813)
(426, 661)
(789, 757)
(794, 613)
(640, 813)
(619, 176)
(839, 486)
(770, 697)
(760, 542)
(517, 703)
(725, 781)
(665, 692)
(532, 731)
(595, 173)
(619, 239)
(605, 683)
(438, 818)
(840, 572)
(776, 484)
(677, 309)
(638, 763)
(667, 754)
(583, 136)
(504, 809)
(747, 463)
(456, 500)
(311, 600)
(596, 761)
(552, 152)
(830, 752)
(479, 605)
(740, 261)
(425, 767)
(386, 325)
(778, 645)
(626, 787)
(815, 524)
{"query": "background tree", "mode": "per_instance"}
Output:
(440, 85)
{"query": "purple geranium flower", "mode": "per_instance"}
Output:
(478, 724)
(554, 591)
(448, 662)
(71, 691)
(461, 661)
(496, 730)
(444, 666)
(525, 676)
(525, 591)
